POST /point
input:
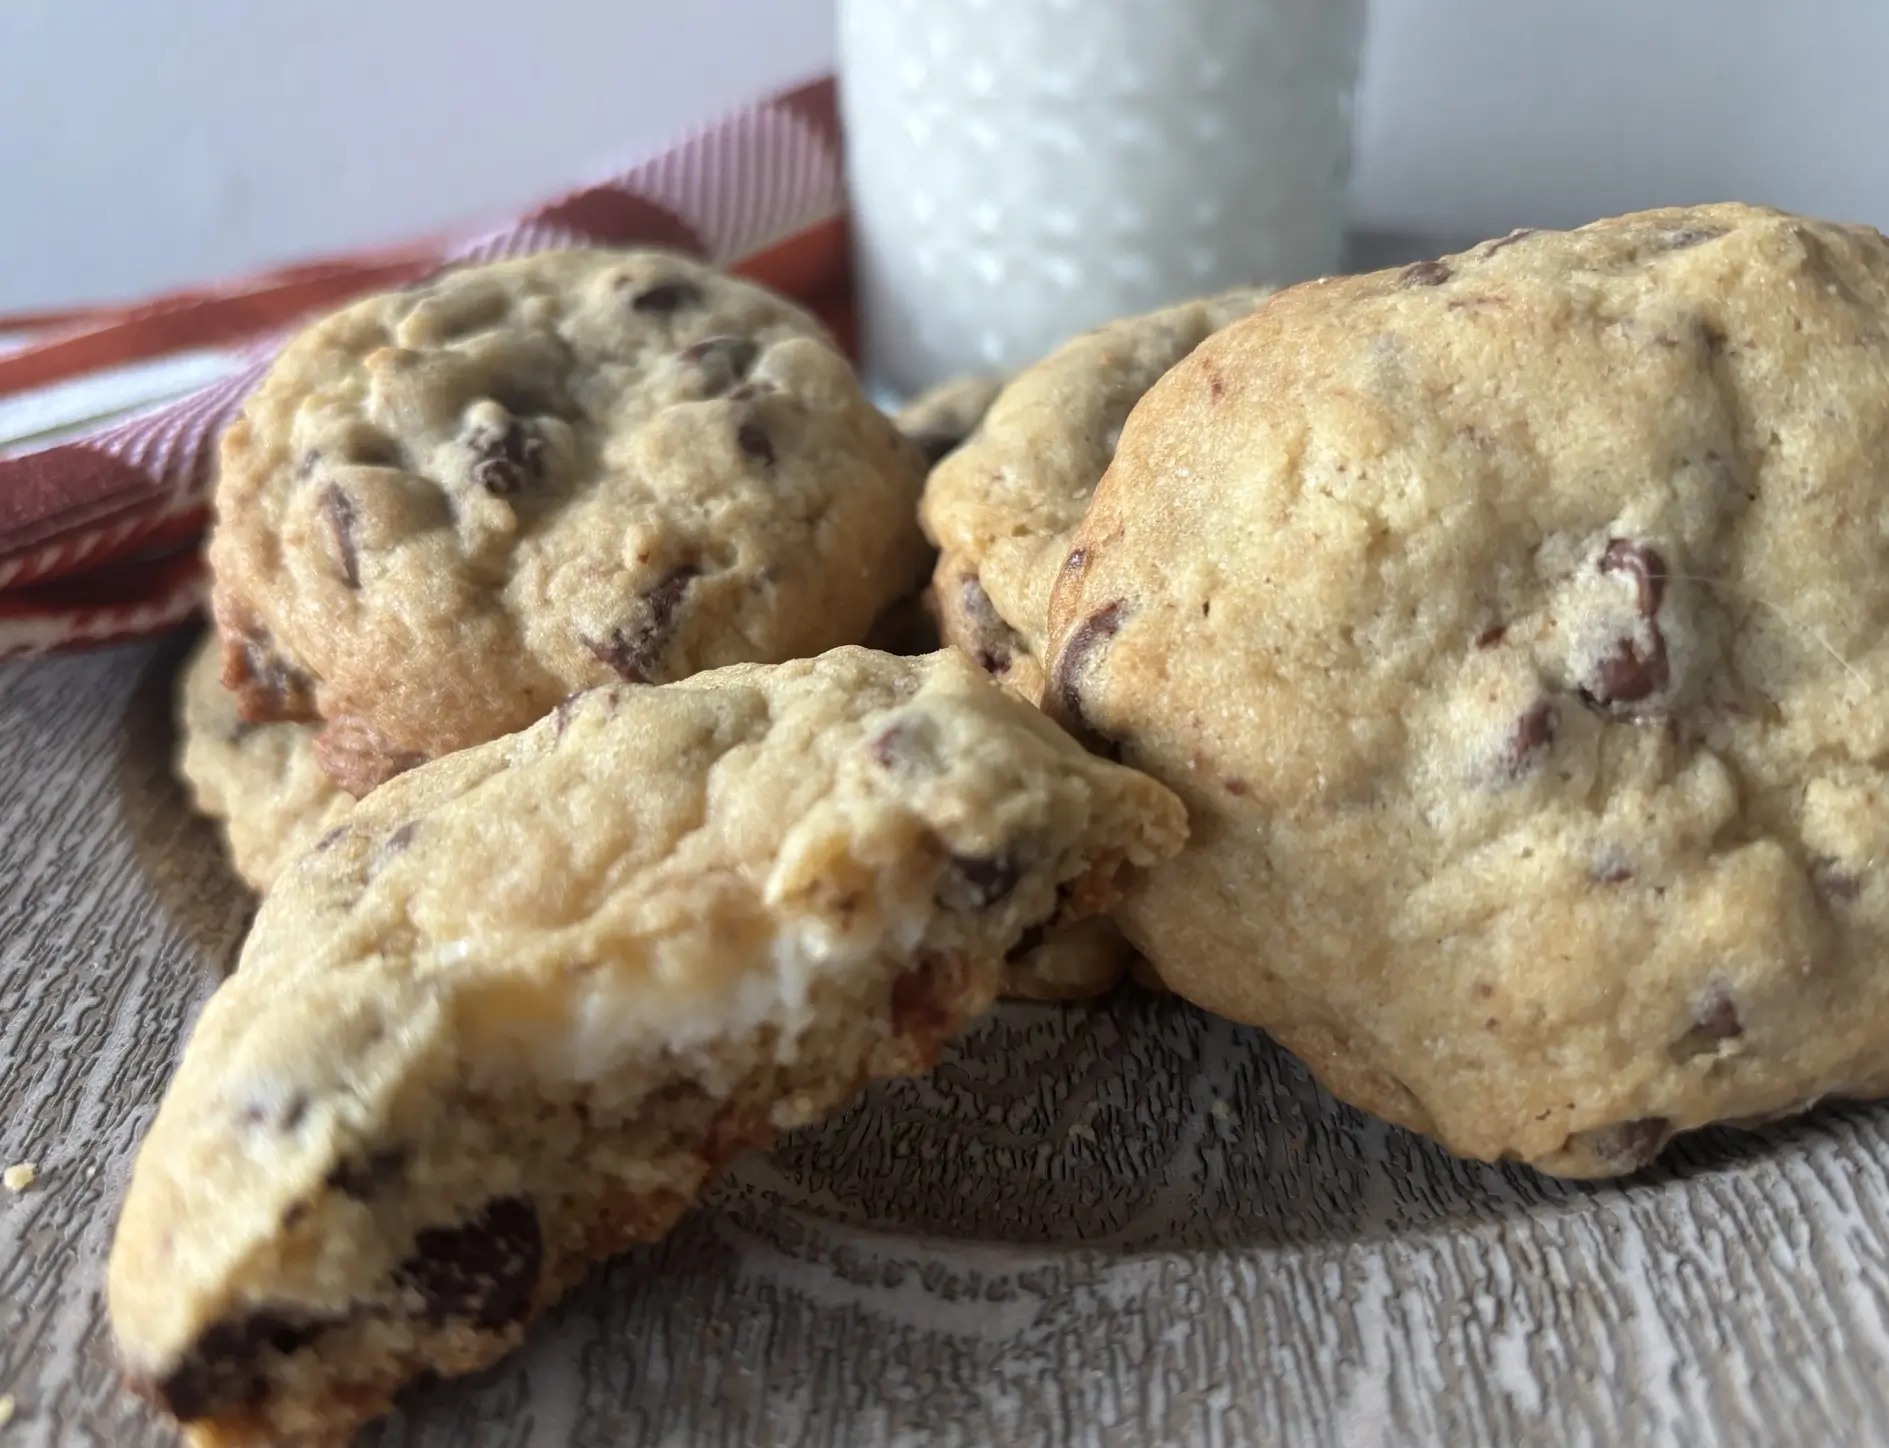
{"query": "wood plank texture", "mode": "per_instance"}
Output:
(1127, 1224)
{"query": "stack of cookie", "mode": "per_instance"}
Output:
(595, 850)
(1510, 626)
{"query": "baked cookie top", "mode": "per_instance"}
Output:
(448, 507)
(1001, 507)
(259, 782)
(1513, 625)
(518, 1008)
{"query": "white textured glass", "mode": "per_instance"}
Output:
(1023, 169)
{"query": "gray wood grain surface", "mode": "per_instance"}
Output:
(1126, 1224)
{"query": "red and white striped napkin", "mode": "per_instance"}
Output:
(101, 516)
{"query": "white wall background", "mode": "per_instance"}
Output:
(144, 143)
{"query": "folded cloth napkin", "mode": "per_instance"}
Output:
(100, 525)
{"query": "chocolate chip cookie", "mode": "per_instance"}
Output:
(1513, 626)
(449, 507)
(259, 782)
(1001, 507)
(524, 1003)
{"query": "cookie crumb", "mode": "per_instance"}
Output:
(20, 1176)
(7, 1406)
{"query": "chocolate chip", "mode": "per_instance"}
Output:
(1519, 234)
(1424, 274)
(1835, 881)
(485, 1270)
(276, 1113)
(666, 297)
(395, 845)
(1238, 788)
(1073, 660)
(228, 1365)
(1490, 637)
(1629, 673)
(562, 715)
(1625, 1146)
(738, 352)
(977, 882)
(906, 746)
(753, 440)
(995, 640)
(1534, 733)
(887, 747)
(508, 459)
(1646, 567)
(363, 1177)
(1717, 1016)
(635, 650)
(337, 510)
(1688, 237)
(1613, 873)
(268, 688)
(720, 363)
(735, 354)
(1632, 671)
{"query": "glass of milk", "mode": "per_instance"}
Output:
(1021, 170)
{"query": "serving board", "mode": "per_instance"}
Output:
(1126, 1223)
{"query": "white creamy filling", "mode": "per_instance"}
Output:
(610, 1019)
